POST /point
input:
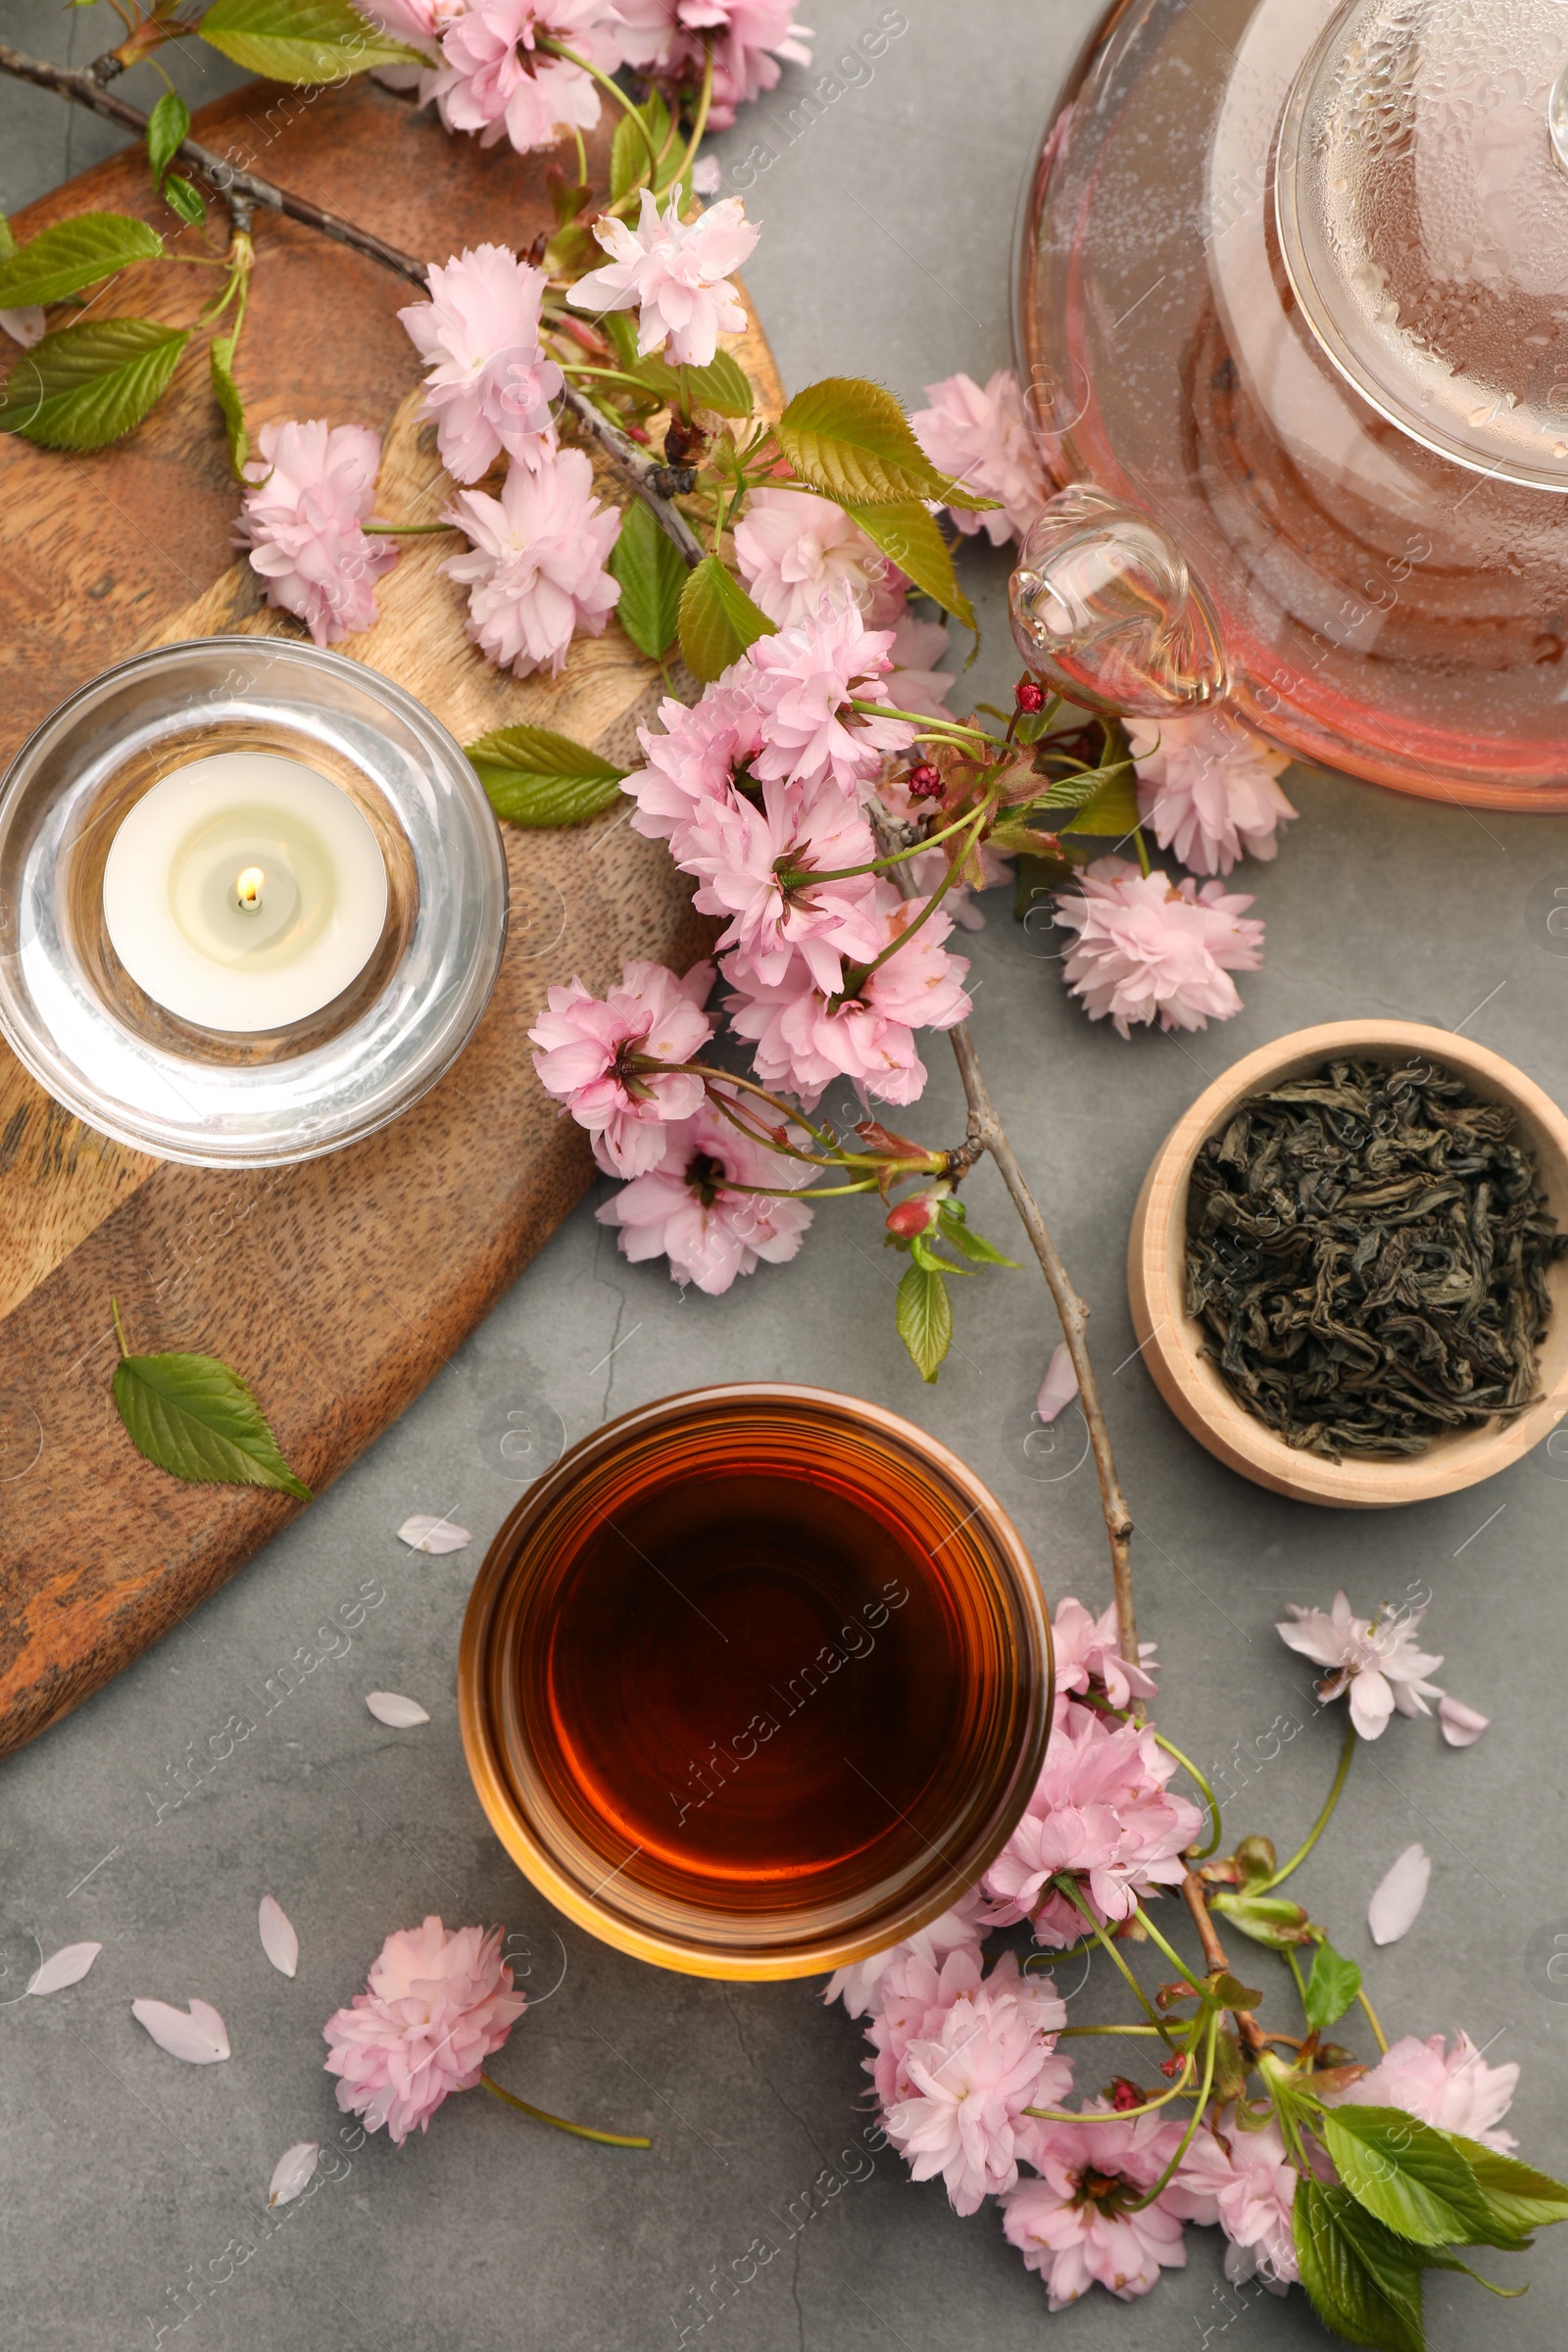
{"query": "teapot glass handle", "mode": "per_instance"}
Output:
(1106, 611)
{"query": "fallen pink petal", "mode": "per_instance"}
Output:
(1059, 1385)
(293, 2173)
(278, 1939)
(66, 1967)
(1400, 1895)
(197, 2035)
(398, 1713)
(425, 1532)
(1461, 1726)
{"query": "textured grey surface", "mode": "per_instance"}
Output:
(238, 1758)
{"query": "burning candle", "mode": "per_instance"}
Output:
(244, 892)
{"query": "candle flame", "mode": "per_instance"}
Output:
(248, 890)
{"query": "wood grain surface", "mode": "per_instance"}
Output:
(341, 1286)
(1172, 1342)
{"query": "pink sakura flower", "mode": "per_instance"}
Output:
(692, 763)
(313, 487)
(742, 855)
(915, 682)
(675, 275)
(439, 2005)
(1207, 786)
(797, 550)
(750, 39)
(1086, 1653)
(1101, 1812)
(418, 22)
(915, 1996)
(1246, 2183)
(1461, 1726)
(805, 680)
(970, 2081)
(1454, 2089)
(983, 441)
(962, 1927)
(536, 569)
(1075, 2224)
(1375, 1659)
(685, 1209)
(489, 385)
(805, 1040)
(1146, 949)
(493, 79)
(587, 1045)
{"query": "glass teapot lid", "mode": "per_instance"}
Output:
(1421, 197)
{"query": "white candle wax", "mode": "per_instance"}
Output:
(244, 892)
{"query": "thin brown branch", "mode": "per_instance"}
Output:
(638, 470)
(1214, 1953)
(81, 86)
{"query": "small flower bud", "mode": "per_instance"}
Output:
(1031, 697)
(1172, 2066)
(913, 1216)
(925, 782)
(1125, 2095)
(1254, 1858)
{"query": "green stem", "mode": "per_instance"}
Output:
(704, 99)
(1125, 2115)
(1378, 2034)
(797, 880)
(609, 2139)
(618, 375)
(1322, 1821)
(1202, 1852)
(1066, 2032)
(862, 973)
(1288, 1954)
(923, 718)
(119, 1329)
(627, 105)
(1066, 1885)
(1169, 1950)
(808, 1192)
(407, 531)
(1168, 2174)
(582, 158)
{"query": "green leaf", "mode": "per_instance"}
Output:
(73, 254)
(301, 40)
(909, 533)
(652, 571)
(221, 356)
(183, 197)
(925, 1253)
(717, 620)
(1332, 1986)
(850, 440)
(1518, 2198)
(537, 777)
(1231, 1993)
(1362, 2280)
(1268, 1918)
(621, 329)
(952, 1218)
(630, 166)
(1110, 812)
(925, 1319)
(88, 385)
(197, 1419)
(724, 385)
(8, 240)
(1404, 2173)
(168, 127)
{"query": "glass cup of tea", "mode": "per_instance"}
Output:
(755, 1681)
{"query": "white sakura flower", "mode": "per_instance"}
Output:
(1375, 1659)
(675, 273)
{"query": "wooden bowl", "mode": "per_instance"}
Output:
(1172, 1342)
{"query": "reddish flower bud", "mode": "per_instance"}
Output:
(925, 782)
(911, 1216)
(1125, 2095)
(1172, 2066)
(1031, 697)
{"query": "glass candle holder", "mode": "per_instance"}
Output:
(417, 961)
(755, 1681)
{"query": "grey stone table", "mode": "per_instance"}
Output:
(133, 2188)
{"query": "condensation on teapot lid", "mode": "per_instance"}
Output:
(1421, 193)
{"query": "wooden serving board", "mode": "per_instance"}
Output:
(338, 1288)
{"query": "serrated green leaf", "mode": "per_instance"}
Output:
(953, 1220)
(630, 164)
(536, 777)
(304, 41)
(850, 440)
(1405, 2174)
(196, 1419)
(1363, 2282)
(717, 620)
(909, 532)
(925, 1319)
(221, 358)
(183, 197)
(1332, 1986)
(88, 386)
(925, 1253)
(724, 385)
(1518, 2198)
(652, 571)
(73, 254)
(1110, 812)
(167, 129)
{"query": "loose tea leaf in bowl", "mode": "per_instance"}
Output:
(1367, 1249)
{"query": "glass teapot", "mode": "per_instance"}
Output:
(1291, 323)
